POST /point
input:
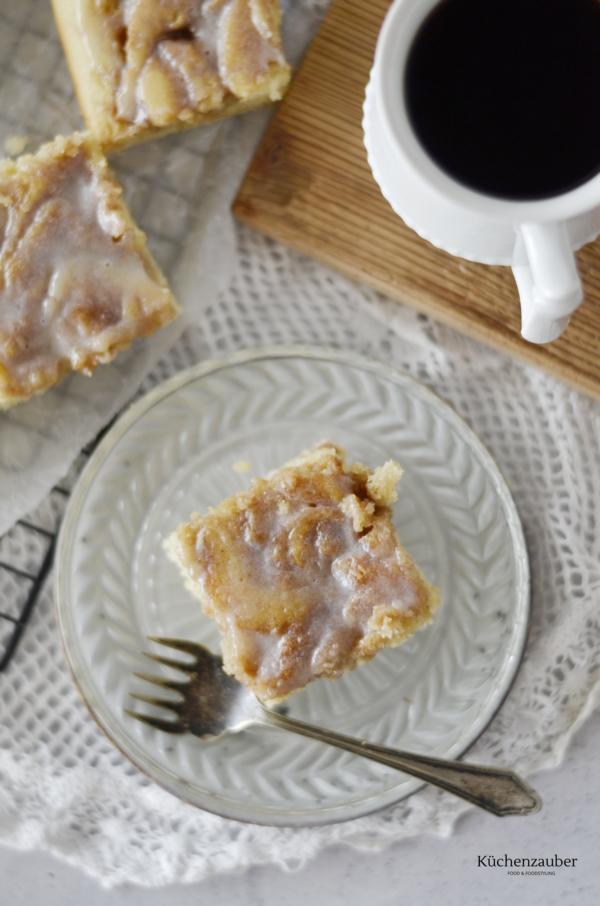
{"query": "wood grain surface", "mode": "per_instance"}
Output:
(310, 187)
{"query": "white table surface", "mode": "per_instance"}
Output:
(427, 870)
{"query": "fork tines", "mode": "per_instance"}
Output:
(173, 705)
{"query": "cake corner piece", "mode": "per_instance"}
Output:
(147, 68)
(304, 572)
(77, 281)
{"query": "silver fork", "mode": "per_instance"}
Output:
(212, 703)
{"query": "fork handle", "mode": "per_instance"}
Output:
(498, 791)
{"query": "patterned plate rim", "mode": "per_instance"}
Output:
(139, 756)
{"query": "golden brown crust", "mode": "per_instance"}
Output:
(158, 67)
(304, 573)
(77, 283)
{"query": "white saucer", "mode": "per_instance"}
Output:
(173, 452)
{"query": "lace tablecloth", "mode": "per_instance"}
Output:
(63, 787)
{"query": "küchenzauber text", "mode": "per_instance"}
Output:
(524, 862)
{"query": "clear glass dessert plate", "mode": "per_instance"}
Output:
(179, 449)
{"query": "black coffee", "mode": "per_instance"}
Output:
(504, 95)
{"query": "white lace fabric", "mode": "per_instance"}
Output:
(66, 789)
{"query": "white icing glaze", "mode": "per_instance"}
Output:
(74, 284)
(314, 556)
(210, 23)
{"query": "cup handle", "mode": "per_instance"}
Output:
(545, 271)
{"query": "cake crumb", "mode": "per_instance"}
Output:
(242, 466)
(15, 144)
(382, 483)
(359, 512)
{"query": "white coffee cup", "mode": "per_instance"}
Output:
(538, 239)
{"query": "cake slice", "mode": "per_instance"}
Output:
(146, 67)
(304, 573)
(77, 283)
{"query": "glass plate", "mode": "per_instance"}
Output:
(174, 451)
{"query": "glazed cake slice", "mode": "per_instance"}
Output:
(304, 572)
(77, 283)
(146, 67)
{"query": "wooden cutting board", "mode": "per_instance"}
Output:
(310, 187)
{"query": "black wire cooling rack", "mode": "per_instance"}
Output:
(26, 557)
